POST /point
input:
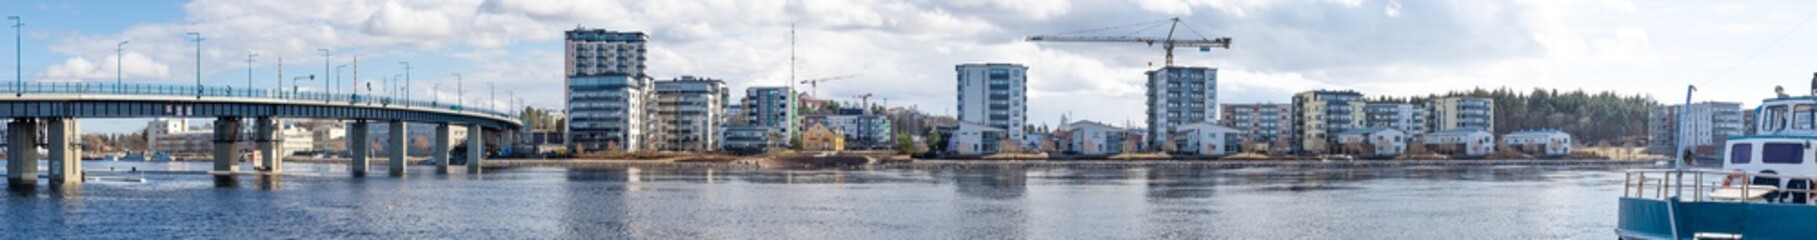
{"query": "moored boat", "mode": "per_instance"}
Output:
(812, 161)
(1761, 190)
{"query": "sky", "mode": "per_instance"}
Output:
(903, 51)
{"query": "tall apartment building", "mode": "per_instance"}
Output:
(1707, 125)
(1406, 117)
(608, 95)
(1259, 122)
(1178, 96)
(994, 94)
(689, 111)
(602, 52)
(768, 106)
(1463, 112)
(1320, 115)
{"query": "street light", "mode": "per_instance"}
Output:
(249, 57)
(327, 58)
(436, 90)
(198, 40)
(406, 80)
(293, 84)
(119, 54)
(459, 92)
(18, 56)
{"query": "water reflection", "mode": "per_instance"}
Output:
(992, 183)
(985, 201)
(1181, 183)
(226, 180)
(268, 181)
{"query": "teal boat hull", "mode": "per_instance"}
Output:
(1651, 219)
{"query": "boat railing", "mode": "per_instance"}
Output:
(1693, 185)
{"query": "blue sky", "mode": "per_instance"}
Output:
(904, 51)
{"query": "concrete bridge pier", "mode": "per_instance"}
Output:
(265, 135)
(358, 147)
(227, 141)
(65, 158)
(397, 148)
(476, 148)
(22, 152)
(440, 151)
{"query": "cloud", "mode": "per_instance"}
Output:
(132, 66)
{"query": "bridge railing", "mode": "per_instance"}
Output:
(169, 90)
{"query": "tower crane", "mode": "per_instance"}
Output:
(1169, 42)
(814, 84)
(864, 103)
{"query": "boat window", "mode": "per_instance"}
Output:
(1803, 117)
(1773, 118)
(1792, 153)
(1741, 153)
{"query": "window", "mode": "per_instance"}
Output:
(1788, 153)
(1741, 153)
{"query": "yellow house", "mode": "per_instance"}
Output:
(819, 138)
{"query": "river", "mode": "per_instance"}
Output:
(968, 201)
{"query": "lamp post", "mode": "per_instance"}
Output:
(18, 56)
(327, 58)
(459, 92)
(249, 58)
(406, 80)
(119, 54)
(279, 90)
(436, 90)
(198, 40)
(293, 83)
(491, 96)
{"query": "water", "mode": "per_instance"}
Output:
(979, 202)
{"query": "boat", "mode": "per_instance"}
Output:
(1762, 188)
(812, 161)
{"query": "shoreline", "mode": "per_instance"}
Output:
(748, 163)
(1093, 163)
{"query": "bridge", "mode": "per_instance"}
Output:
(53, 108)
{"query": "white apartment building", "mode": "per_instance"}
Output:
(1374, 142)
(609, 98)
(1539, 143)
(1178, 96)
(1089, 138)
(994, 94)
(1319, 115)
(602, 52)
(1204, 139)
(1460, 143)
(689, 112)
(1462, 113)
(972, 139)
(1706, 126)
(1406, 117)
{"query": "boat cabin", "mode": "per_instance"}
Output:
(1786, 144)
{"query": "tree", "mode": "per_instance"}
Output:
(905, 144)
